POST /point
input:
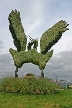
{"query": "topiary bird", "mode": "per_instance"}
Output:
(47, 40)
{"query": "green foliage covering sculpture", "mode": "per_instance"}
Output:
(48, 39)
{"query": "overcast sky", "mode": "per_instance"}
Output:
(36, 17)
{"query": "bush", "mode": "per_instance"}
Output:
(28, 85)
(29, 74)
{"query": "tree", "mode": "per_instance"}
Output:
(48, 39)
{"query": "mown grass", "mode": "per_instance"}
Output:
(61, 100)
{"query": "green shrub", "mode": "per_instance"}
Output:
(28, 85)
(29, 74)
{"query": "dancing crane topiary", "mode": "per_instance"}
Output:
(48, 39)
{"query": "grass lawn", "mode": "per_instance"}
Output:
(61, 100)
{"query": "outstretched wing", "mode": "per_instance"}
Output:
(52, 35)
(17, 30)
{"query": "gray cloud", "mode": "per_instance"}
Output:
(1, 46)
(60, 65)
(6, 66)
